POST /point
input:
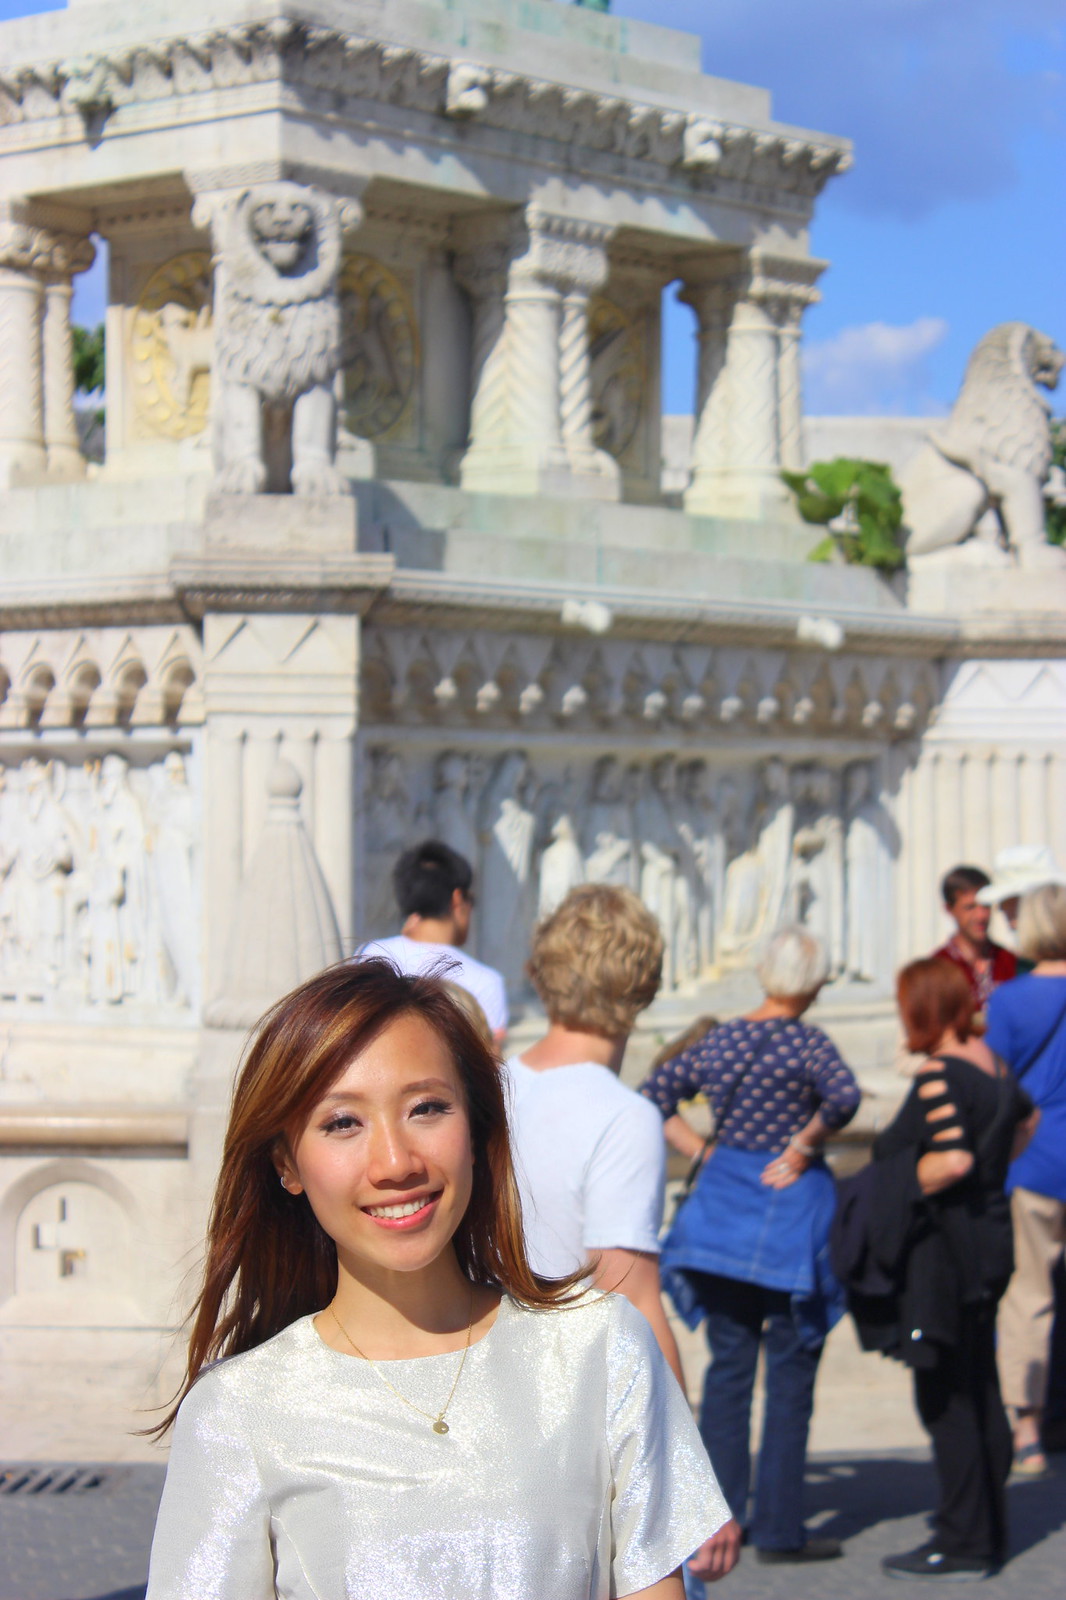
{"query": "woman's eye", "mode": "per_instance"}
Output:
(339, 1124)
(430, 1107)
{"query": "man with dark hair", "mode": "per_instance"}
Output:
(433, 885)
(985, 963)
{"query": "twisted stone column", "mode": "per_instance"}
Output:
(749, 406)
(24, 251)
(531, 425)
(482, 272)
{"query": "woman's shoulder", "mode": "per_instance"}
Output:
(591, 1316)
(224, 1385)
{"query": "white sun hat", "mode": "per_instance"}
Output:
(1017, 871)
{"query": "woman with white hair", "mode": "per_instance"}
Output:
(1027, 1027)
(748, 1252)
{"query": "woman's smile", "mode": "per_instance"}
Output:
(404, 1213)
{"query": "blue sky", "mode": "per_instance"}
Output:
(954, 215)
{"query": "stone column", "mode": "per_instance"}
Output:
(530, 415)
(24, 252)
(69, 256)
(481, 269)
(795, 292)
(748, 411)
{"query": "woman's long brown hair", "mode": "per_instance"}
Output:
(268, 1261)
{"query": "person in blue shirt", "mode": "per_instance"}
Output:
(1027, 1027)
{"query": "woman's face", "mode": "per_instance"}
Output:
(386, 1157)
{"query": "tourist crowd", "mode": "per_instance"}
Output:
(430, 1354)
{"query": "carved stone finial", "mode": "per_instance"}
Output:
(284, 929)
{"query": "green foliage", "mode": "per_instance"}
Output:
(88, 359)
(863, 501)
(1056, 514)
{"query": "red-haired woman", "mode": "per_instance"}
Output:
(381, 1398)
(954, 1135)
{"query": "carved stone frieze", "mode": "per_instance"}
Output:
(721, 851)
(428, 678)
(101, 678)
(98, 882)
(317, 58)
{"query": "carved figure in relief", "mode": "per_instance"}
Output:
(454, 810)
(507, 830)
(562, 866)
(172, 347)
(663, 886)
(172, 835)
(8, 909)
(388, 832)
(610, 849)
(117, 897)
(379, 345)
(816, 876)
(869, 848)
(43, 864)
(757, 879)
(278, 340)
(702, 857)
(992, 456)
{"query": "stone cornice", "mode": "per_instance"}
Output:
(692, 148)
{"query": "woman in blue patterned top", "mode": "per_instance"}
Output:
(748, 1252)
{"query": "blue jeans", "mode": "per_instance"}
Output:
(740, 1316)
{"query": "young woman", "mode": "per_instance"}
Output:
(955, 1135)
(401, 1407)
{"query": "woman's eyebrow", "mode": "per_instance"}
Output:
(409, 1088)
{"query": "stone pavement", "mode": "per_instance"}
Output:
(93, 1545)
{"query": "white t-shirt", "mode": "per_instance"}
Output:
(455, 966)
(590, 1161)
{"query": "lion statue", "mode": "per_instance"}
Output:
(984, 472)
(278, 339)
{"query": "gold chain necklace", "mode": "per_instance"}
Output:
(436, 1418)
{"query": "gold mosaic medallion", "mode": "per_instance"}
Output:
(171, 347)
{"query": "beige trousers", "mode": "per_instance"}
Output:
(1027, 1309)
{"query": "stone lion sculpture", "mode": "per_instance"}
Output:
(984, 472)
(278, 339)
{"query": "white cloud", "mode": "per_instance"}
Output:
(873, 369)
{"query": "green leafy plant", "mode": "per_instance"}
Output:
(88, 359)
(860, 504)
(1056, 511)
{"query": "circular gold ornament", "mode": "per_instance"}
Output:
(380, 346)
(171, 347)
(617, 375)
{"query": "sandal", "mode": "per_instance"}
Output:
(1029, 1461)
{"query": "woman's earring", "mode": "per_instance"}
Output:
(281, 1180)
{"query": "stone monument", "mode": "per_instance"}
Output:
(378, 549)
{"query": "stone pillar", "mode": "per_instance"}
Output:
(795, 291)
(749, 408)
(24, 251)
(530, 429)
(70, 255)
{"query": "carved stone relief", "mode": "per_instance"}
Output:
(721, 852)
(617, 375)
(380, 346)
(171, 346)
(98, 883)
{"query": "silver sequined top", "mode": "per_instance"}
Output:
(572, 1470)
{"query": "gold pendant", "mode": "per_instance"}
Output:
(440, 1426)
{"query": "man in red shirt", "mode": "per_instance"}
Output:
(985, 963)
